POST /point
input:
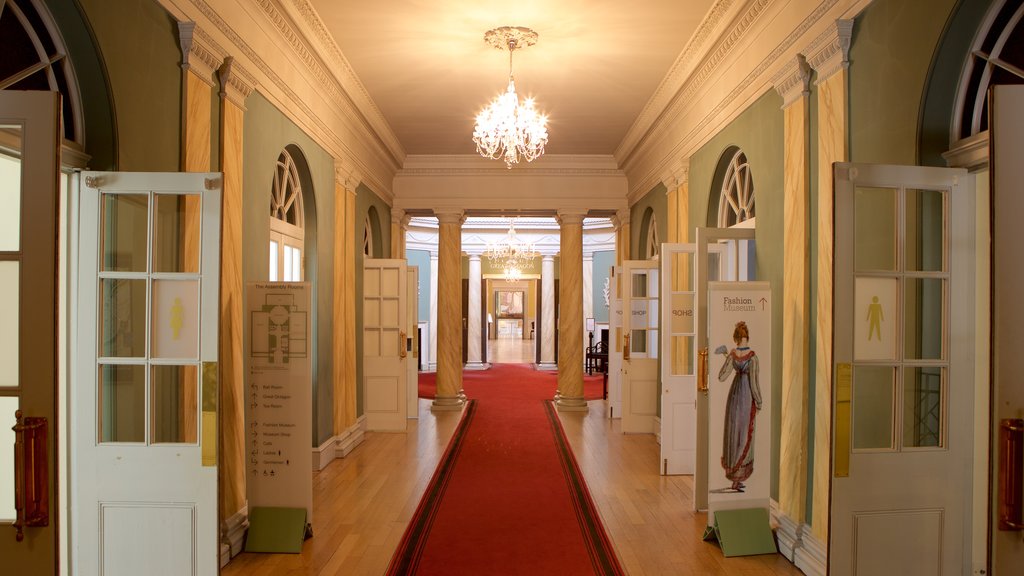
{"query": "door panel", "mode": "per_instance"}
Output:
(29, 172)
(614, 404)
(640, 289)
(903, 378)
(144, 447)
(384, 337)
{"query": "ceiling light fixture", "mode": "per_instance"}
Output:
(506, 129)
(511, 254)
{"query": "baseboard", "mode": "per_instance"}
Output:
(347, 441)
(323, 454)
(657, 430)
(232, 535)
(477, 366)
(547, 366)
(797, 544)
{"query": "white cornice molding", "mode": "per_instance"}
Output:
(830, 51)
(200, 54)
(236, 83)
(475, 165)
(793, 81)
(730, 79)
(267, 42)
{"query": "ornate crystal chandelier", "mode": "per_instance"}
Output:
(507, 129)
(511, 254)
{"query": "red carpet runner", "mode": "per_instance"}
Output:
(507, 497)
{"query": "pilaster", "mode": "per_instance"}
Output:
(570, 312)
(588, 291)
(793, 84)
(449, 311)
(232, 463)
(830, 60)
(343, 344)
(432, 358)
(677, 197)
(474, 351)
(399, 220)
(621, 221)
(547, 312)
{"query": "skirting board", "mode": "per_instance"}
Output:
(339, 446)
(797, 543)
(657, 430)
(233, 535)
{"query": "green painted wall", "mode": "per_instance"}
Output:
(366, 199)
(758, 131)
(657, 201)
(888, 72)
(138, 42)
(421, 259)
(267, 133)
(603, 261)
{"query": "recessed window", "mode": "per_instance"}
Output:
(286, 223)
(736, 199)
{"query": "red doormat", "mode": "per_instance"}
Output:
(507, 497)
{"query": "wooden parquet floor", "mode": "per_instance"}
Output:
(362, 503)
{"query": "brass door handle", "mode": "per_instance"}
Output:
(625, 346)
(402, 353)
(31, 487)
(702, 370)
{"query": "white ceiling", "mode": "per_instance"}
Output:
(427, 68)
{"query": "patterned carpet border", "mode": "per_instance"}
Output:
(602, 554)
(410, 549)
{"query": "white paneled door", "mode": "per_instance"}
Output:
(639, 375)
(385, 355)
(144, 395)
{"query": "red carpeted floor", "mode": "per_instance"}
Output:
(593, 385)
(507, 497)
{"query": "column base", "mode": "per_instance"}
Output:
(546, 366)
(567, 404)
(477, 366)
(431, 367)
(448, 403)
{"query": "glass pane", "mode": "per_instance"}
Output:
(175, 322)
(176, 233)
(123, 232)
(923, 318)
(682, 356)
(652, 343)
(926, 219)
(9, 323)
(8, 405)
(122, 318)
(682, 313)
(639, 285)
(297, 265)
(639, 314)
(874, 220)
(682, 272)
(652, 284)
(121, 412)
(714, 266)
(174, 403)
(638, 342)
(873, 407)
(922, 406)
(288, 263)
(10, 189)
(273, 261)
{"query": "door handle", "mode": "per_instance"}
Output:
(1011, 474)
(625, 346)
(401, 344)
(31, 487)
(702, 370)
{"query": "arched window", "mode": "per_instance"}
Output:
(736, 192)
(652, 242)
(35, 58)
(287, 222)
(997, 57)
(368, 236)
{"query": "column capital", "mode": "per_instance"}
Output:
(236, 83)
(199, 52)
(346, 175)
(449, 215)
(830, 51)
(545, 257)
(677, 176)
(474, 255)
(793, 81)
(621, 218)
(397, 216)
(571, 215)
(433, 255)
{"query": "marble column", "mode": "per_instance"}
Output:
(793, 84)
(474, 352)
(831, 65)
(432, 358)
(547, 312)
(449, 311)
(570, 312)
(588, 293)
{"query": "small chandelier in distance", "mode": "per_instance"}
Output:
(511, 254)
(506, 129)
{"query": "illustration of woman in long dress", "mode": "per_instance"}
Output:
(741, 407)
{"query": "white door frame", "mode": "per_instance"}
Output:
(639, 374)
